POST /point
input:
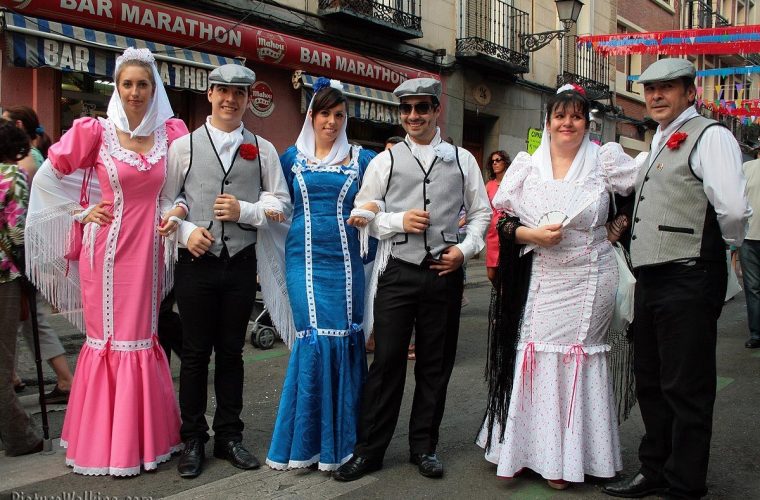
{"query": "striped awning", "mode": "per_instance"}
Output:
(33, 42)
(364, 103)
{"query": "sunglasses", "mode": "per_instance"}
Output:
(498, 159)
(421, 108)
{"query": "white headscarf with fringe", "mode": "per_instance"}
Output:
(307, 141)
(159, 109)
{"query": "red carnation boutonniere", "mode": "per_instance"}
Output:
(676, 139)
(249, 151)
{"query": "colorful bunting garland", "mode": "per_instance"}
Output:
(725, 40)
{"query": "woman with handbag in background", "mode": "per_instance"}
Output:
(122, 413)
(551, 407)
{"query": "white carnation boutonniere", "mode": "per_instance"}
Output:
(445, 151)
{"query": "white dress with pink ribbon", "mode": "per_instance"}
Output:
(562, 421)
(122, 412)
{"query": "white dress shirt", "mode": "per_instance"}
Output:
(477, 206)
(226, 144)
(717, 160)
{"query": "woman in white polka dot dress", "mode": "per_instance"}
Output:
(551, 404)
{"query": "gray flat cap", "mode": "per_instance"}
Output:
(419, 86)
(232, 74)
(668, 69)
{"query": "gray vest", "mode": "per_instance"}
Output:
(206, 179)
(437, 188)
(672, 218)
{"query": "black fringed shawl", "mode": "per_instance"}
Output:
(504, 319)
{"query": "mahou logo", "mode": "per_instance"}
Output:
(270, 47)
(262, 103)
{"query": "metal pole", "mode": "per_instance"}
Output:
(31, 293)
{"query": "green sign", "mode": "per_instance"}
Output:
(534, 139)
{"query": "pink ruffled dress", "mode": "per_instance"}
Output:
(122, 412)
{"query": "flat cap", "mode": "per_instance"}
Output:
(232, 74)
(668, 69)
(419, 86)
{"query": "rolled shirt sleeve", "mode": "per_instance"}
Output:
(717, 159)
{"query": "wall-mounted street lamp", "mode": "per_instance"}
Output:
(568, 12)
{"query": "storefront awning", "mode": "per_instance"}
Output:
(33, 42)
(364, 103)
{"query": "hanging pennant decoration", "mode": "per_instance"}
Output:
(724, 40)
(738, 70)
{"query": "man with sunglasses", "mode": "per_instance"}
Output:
(424, 182)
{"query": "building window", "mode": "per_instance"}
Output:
(629, 65)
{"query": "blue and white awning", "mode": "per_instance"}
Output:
(33, 42)
(364, 103)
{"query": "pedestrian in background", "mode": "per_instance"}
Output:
(16, 429)
(51, 349)
(749, 253)
(690, 203)
(497, 165)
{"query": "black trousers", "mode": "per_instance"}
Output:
(675, 328)
(215, 298)
(169, 327)
(410, 296)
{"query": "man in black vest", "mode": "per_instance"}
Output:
(424, 182)
(690, 203)
(232, 183)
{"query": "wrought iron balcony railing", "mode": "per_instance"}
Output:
(489, 32)
(588, 69)
(400, 16)
(701, 14)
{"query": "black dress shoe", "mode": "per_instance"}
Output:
(752, 344)
(356, 468)
(191, 460)
(428, 464)
(236, 454)
(635, 487)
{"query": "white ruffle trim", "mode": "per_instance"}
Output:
(121, 471)
(303, 464)
(140, 162)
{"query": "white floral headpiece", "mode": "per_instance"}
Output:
(135, 54)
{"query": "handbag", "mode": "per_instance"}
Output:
(622, 315)
(76, 235)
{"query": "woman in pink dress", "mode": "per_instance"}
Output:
(497, 165)
(122, 413)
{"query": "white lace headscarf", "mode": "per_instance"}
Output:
(306, 142)
(585, 158)
(159, 109)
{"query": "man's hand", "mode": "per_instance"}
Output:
(227, 208)
(451, 259)
(100, 215)
(200, 241)
(416, 220)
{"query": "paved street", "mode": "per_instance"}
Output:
(734, 470)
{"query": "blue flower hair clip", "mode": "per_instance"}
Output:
(323, 82)
(40, 129)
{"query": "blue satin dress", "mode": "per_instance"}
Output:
(319, 406)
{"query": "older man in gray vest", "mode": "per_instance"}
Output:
(424, 183)
(690, 203)
(232, 182)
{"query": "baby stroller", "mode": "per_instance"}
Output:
(260, 328)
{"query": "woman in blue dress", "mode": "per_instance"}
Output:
(317, 417)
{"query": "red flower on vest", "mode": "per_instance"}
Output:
(676, 139)
(249, 151)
